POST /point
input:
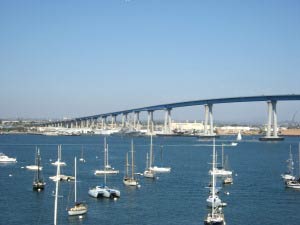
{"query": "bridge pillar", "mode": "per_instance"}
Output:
(150, 124)
(272, 118)
(168, 121)
(208, 117)
(136, 120)
(205, 118)
(211, 121)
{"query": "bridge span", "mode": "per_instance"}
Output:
(91, 121)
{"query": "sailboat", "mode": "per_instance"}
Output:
(148, 172)
(38, 183)
(59, 156)
(61, 177)
(104, 191)
(296, 182)
(81, 158)
(157, 169)
(130, 180)
(79, 208)
(221, 171)
(56, 191)
(239, 136)
(227, 179)
(107, 168)
(216, 216)
(290, 165)
(35, 166)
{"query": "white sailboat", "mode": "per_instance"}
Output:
(60, 162)
(148, 173)
(56, 192)
(159, 169)
(239, 136)
(130, 180)
(290, 165)
(38, 183)
(104, 191)
(295, 184)
(216, 216)
(221, 171)
(107, 168)
(81, 158)
(79, 208)
(61, 177)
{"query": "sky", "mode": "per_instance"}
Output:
(75, 58)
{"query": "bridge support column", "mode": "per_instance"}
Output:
(150, 125)
(168, 120)
(272, 118)
(136, 120)
(205, 119)
(208, 117)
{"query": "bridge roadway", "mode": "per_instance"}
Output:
(208, 104)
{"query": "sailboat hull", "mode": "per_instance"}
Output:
(130, 182)
(78, 209)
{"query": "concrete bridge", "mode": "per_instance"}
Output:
(89, 121)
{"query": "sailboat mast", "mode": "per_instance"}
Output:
(151, 152)
(213, 178)
(222, 156)
(56, 189)
(127, 164)
(75, 163)
(38, 165)
(132, 160)
(105, 153)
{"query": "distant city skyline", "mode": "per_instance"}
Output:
(77, 58)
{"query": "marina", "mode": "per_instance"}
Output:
(189, 159)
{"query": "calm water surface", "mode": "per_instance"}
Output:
(258, 195)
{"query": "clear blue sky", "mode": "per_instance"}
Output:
(76, 58)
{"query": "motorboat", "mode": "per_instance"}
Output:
(5, 159)
(160, 169)
(34, 167)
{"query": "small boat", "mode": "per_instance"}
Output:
(290, 166)
(79, 208)
(239, 136)
(107, 168)
(130, 180)
(38, 183)
(221, 171)
(158, 169)
(81, 158)
(148, 173)
(62, 177)
(228, 180)
(5, 159)
(59, 156)
(295, 184)
(34, 167)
